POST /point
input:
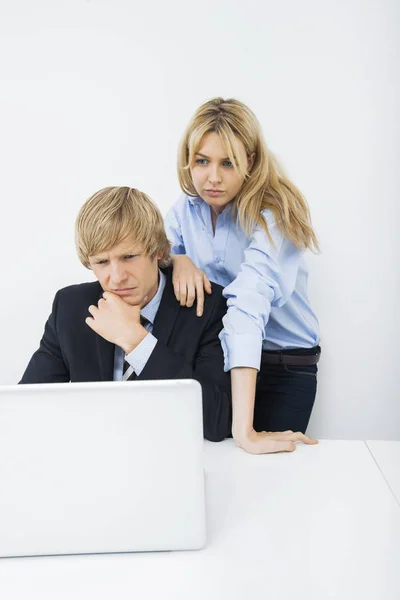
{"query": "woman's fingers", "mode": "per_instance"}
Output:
(191, 293)
(207, 284)
(264, 445)
(301, 437)
(182, 293)
(189, 283)
(293, 436)
(176, 284)
(200, 296)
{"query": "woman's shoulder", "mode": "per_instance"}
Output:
(276, 242)
(268, 216)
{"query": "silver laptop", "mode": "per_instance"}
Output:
(101, 467)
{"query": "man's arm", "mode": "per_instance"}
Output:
(47, 364)
(207, 369)
(119, 323)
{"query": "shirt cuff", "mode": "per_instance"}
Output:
(241, 350)
(141, 354)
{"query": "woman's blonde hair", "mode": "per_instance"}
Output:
(115, 214)
(264, 187)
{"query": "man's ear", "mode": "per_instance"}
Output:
(156, 256)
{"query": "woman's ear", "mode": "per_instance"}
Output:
(250, 161)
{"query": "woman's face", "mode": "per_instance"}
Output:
(213, 174)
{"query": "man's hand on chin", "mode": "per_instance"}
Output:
(117, 322)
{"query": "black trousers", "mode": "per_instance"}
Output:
(285, 395)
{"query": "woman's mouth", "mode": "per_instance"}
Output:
(214, 193)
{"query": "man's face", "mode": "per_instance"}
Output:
(124, 270)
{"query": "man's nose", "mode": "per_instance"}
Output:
(118, 273)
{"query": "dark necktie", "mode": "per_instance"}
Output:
(128, 374)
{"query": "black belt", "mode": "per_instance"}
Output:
(281, 358)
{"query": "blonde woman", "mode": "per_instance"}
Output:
(241, 223)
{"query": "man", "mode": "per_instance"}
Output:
(128, 324)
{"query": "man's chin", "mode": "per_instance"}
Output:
(133, 300)
(133, 297)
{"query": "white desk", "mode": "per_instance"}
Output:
(387, 456)
(316, 524)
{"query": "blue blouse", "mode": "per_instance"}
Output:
(265, 284)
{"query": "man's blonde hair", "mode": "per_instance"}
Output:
(115, 214)
(265, 187)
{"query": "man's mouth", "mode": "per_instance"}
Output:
(123, 291)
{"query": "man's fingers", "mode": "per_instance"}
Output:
(89, 321)
(93, 310)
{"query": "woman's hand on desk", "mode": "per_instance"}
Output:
(267, 442)
(245, 436)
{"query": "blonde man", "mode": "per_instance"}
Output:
(128, 324)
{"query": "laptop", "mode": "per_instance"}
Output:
(101, 467)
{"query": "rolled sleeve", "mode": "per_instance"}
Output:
(241, 350)
(141, 354)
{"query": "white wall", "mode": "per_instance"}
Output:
(97, 93)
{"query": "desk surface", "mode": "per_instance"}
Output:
(387, 456)
(315, 524)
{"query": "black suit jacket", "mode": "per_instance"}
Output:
(188, 347)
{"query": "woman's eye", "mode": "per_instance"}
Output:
(129, 256)
(228, 163)
(201, 161)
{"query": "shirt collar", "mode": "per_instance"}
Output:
(150, 310)
(195, 201)
(198, 201)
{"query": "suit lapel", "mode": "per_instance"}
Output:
(167, 311)
(105, 353)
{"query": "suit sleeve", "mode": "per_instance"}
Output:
(207, 369)
(47, 364)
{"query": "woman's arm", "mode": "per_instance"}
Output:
(267, 277)
(265, 442)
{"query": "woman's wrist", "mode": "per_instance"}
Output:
(243, 395)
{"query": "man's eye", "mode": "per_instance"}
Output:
(127, 256)
(101, 262)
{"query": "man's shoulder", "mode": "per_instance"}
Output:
(212, 302)
(80, 291)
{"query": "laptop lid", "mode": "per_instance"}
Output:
(101, 467)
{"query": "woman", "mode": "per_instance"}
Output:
(244, 225)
